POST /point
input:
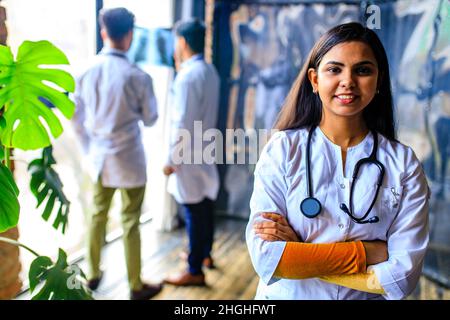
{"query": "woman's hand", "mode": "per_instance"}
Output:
(277, 229)
(376, 251)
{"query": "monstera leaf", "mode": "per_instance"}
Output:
(9, 205)
(2, 120)
(46, 185)
(22, 84)
(2, 125)
(61, 280)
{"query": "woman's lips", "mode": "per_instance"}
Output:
(346, 98)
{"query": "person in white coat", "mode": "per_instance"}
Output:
(112, 97)
(193, 182)
(324, 223)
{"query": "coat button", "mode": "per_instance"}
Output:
(341, 226)
(342, 186)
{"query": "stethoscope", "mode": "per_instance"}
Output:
(311, 207)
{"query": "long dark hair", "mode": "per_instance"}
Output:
(302, 108)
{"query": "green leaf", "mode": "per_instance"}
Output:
(61, 281)
(47, 187)
(9, 204)
(37, 269)
(2, 125)
(2, 122)
(22, 85)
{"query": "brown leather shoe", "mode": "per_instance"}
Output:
(186, 279)
(148, 291)
(208, 262)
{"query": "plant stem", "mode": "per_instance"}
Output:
(7, 158)
(16, 243)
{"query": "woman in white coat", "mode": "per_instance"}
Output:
(324, 224)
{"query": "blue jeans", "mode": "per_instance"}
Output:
(200, 228)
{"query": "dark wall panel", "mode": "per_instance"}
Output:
(259, 47)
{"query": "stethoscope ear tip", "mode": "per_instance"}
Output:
(344, 208)
(374, 219)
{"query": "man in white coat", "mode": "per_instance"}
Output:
(193, 182)
(112, 98)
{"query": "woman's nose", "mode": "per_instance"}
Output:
(347, 80)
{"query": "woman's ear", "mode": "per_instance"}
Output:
(312, 76)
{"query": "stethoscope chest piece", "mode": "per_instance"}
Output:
(310, 207)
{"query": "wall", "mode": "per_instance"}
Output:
(259, 47)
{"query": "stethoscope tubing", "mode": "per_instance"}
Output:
(311, 207)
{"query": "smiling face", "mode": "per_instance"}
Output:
(346, 79)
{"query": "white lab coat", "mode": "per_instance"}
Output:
(195, 97)
(112, 97)
(402, 207)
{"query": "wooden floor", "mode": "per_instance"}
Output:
(234, 277)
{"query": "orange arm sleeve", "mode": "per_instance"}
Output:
(309, 260)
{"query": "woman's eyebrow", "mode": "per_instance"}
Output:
(364, 62)
(356, 64)
(336, 63)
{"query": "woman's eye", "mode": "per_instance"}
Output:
(334, 70)
(364, 71)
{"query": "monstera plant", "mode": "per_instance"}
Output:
(28, 85)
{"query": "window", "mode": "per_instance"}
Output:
(71, 26)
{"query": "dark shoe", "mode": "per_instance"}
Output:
(94, 283)
(147, 292)
(208, 262)
(186, 279)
